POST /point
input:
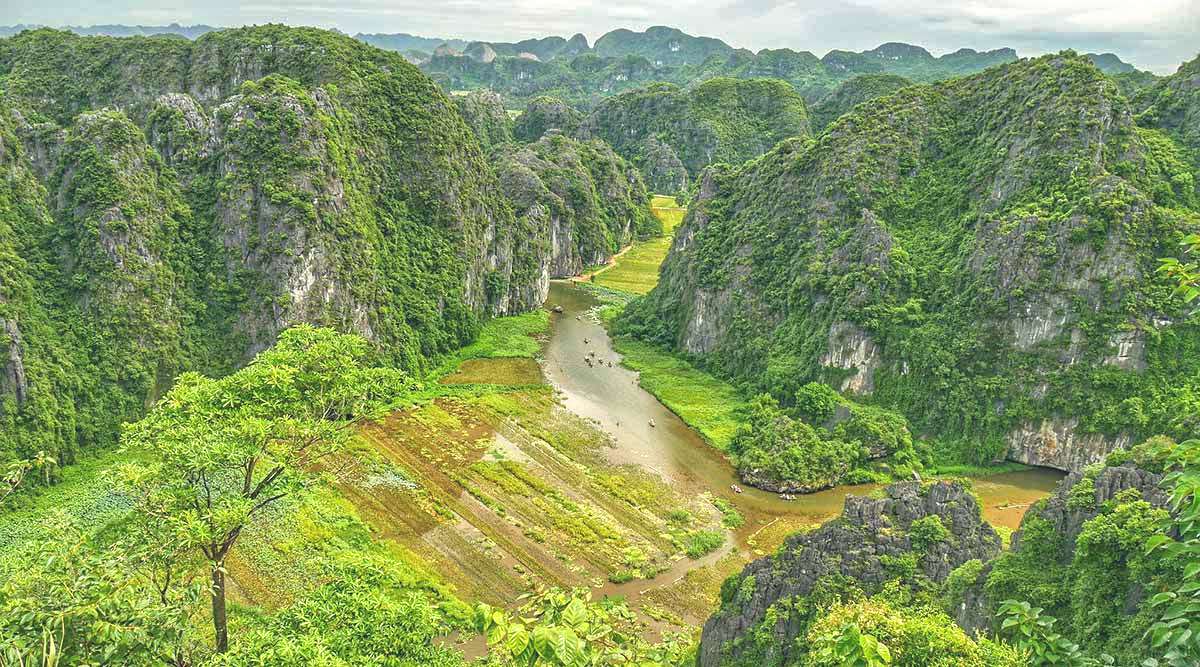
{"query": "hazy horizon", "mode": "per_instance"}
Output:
(1156, 35)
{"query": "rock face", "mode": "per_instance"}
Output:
(663, 169)
(1057, 443)
(901, 255)
(580, 201)
(857, 545)
(180, 203)
(720, 120)
(976, 611)
(852, 93)
(484, 112)
(543, 114)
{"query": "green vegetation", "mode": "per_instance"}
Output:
(866, 260)
(147, 232)
(622, 60)
(852, 93)
(484, 112)
(636, 271)
(225, 450)
(546, 113)
(124, 577)
(712, 407)
(720, 120)
(874, 632)
(581, 201)
(566, 629)
(700, 543)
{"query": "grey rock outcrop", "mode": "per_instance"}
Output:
(975, 611)
(856, 546)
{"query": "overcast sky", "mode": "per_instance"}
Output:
(1152, 34)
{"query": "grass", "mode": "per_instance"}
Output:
(971, 470)
(712, 407)
(504, 349)
(700, 543)
(500, 371)
(636, 271)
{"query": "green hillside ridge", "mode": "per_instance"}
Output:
(1172, 104)
(484, 112)
(929, 255)
(720, 120)
(176, 204)
(852, 93)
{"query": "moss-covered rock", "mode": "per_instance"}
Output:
(484, 113)
(852, 93)
(543, 114)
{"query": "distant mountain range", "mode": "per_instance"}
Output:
(582, 74)
(661, 44)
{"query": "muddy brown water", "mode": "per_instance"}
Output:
(612, 397)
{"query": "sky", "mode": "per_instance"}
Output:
(1152, 34)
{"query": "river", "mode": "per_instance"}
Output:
(611, 396)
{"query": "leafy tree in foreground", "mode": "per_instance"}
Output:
(559, 628)
(16, 472)
(1177, 632)
(1033, 633)
(78, 599)
(225, 449)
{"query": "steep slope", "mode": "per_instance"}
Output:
(205, 195)
(1173, 106)
(484, 112)
(720, 120)
(1080, 554)
(582, 201)
(766, 609)
(545, 113)
(979, 255)
(852, 93)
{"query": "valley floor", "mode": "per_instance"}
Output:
(544, 454)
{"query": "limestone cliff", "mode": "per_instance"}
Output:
(863, 545)
(199, 197)
(581, 200)
(663, 127)
(978, 254)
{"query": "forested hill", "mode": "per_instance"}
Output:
(175, 204)
(978, 254)
(672, 133)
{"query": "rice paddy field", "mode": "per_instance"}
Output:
(636, 271)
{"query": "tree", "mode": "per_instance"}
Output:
(75, 598)
(16, 472)
(1033, 633)
(224, 450)
(1187, 272)
(558, 628)
(1177, 631)
(853, 648)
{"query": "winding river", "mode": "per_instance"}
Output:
(611, 396)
